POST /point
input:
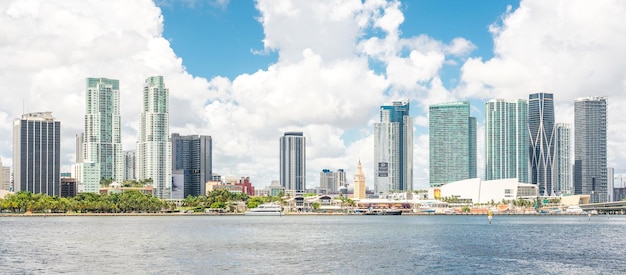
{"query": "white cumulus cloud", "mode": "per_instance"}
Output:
(569, 48)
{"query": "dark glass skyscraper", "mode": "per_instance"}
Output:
(590, 150)
(393, 149)
(192, 158)
(37, 154)
(542, 141)
(293, 161)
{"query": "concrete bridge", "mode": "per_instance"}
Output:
(606, 207)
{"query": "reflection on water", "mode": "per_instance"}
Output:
(313, 244)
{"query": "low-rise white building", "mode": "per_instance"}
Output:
(486, 191)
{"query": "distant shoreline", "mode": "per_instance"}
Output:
(241, 214)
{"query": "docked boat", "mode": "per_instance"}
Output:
(574, 209)
(384, 212)
(266, 209)
(392, 212)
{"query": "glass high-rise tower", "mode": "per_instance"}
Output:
(542, 141)
(154, 149)
(293, 161)
(37, 154)
(452, 139)
(590, 150)
(102, 141)
(393, 149)
(192, 158)
(563, 159)
(506, 140)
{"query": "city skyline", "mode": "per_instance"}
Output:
(324, 73)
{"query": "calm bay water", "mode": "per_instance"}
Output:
(313, 245)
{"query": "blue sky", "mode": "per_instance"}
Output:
(221, 40)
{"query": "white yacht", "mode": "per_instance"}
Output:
(266, 209)
(574, 209)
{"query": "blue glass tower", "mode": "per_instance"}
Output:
(393, 149)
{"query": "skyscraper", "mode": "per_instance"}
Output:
(5, 177)
(37, 154)
(610, 185)
(332, 181)
(359, 182)
(506, 140)
(154, 149)
(542, 141)
(563, 159)
(327, 181)
(80, 140)
(452, 139)
(192, 158)
(590, 150)
(393, 149)
(102, 137)
(293, 161)
(339, 178)
(130, 165)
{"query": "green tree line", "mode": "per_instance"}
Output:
(223, 199)
(130, 201)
